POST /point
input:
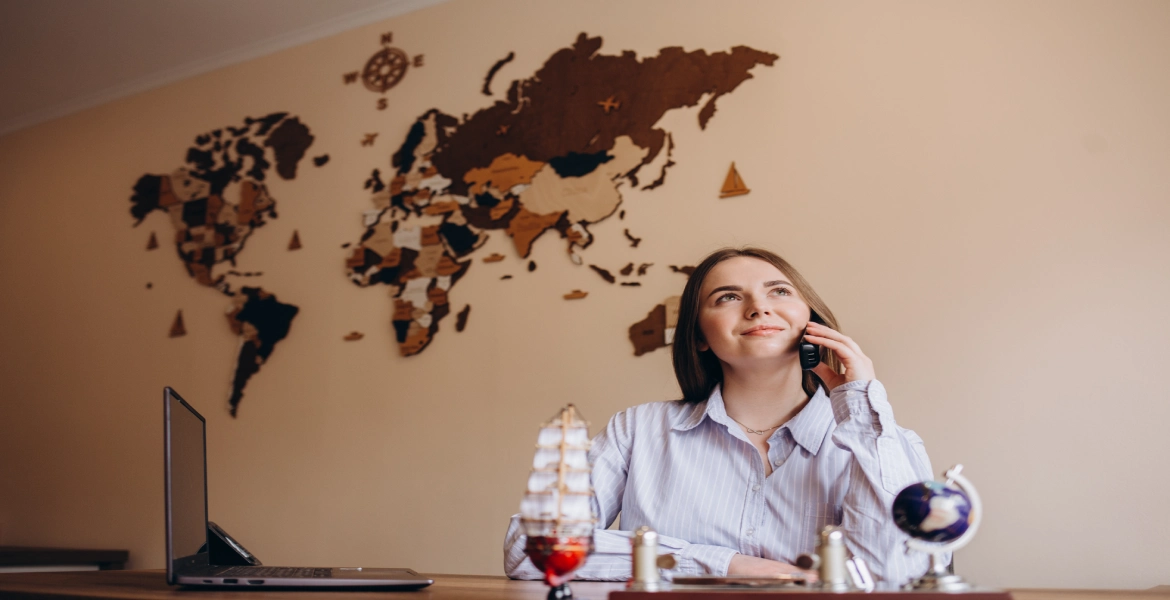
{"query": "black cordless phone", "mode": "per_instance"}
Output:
(810, 353)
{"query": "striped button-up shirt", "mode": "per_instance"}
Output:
(690, 472)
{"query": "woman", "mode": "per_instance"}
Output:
(740, 475)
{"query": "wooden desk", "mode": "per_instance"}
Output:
(149, 585)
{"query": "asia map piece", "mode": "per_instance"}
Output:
(550, 157)
(215, 202)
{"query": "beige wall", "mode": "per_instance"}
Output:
(978, 189)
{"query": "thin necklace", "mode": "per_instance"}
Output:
(750, 430)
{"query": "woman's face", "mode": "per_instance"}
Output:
(749, 312)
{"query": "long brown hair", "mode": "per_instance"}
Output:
(699, 371)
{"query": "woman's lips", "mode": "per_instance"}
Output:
(762, 330)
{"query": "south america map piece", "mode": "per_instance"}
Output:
(261, 321)
(733, 185)
(576, 295)
(177, 328)
(501, 169)
(295, 242)
(152, 243)
(354, 336)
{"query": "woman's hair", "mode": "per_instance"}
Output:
(699, 371)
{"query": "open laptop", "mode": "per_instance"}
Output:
(188, 558)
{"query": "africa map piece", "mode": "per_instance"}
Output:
(215, 202)
(260, 321)
(549, 157)
(657, 329)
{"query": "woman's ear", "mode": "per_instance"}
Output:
(702, 346)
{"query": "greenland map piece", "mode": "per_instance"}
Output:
(215, 202)
(549, 158)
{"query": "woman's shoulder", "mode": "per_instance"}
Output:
(654, 416)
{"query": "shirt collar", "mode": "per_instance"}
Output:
(808, 428)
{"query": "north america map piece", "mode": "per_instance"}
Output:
(550, 157)
(215, 202)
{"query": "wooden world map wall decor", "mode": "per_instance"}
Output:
(549, 158)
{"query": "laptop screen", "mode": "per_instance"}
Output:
(186, 485)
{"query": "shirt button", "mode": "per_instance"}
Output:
(750, 532)
(756, 487)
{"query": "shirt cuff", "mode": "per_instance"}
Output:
(865, 403)
(704, 559)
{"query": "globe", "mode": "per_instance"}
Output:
(932, 511)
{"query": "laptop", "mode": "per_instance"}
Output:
(189, 560)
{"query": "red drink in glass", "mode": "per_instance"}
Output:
(558, 557)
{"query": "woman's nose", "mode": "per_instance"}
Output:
(756, 308)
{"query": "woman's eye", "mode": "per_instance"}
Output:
(726, 298)
(782, 292)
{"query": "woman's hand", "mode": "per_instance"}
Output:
(761, 567)
(858, 366)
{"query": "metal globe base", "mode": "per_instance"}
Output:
(937, 579)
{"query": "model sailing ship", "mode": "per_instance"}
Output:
(557, 509)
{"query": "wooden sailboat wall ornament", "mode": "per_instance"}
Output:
(733, 185)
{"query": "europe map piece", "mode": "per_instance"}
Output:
(215, 202)
(551, 156)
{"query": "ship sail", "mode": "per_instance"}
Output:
(558, 500)
(733, 185)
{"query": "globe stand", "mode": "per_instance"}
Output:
(937, 578)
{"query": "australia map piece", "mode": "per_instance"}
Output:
(657, 329)
(215, 202)
(260, 321)
(549, 157)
